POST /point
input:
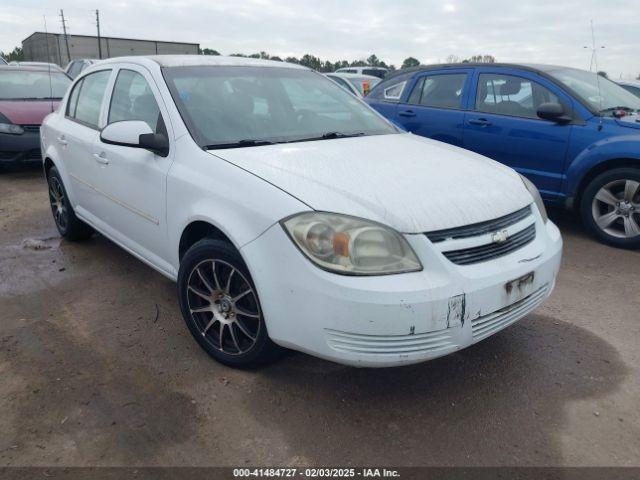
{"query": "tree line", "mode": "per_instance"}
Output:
(320, 65)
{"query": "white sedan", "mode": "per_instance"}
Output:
(293, 215)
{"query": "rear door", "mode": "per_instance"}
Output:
(79, 131)
(503, 125)
(433, 104)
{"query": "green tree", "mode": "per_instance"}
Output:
(481, 59)
(16, 55)
(410, 62)
(373, 60)
(291, 60)
(602, 73)
(209, 51)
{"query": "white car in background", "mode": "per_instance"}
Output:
(74, 67)
(379, 72)
(358, 85)
(293, 215)
(632, 86)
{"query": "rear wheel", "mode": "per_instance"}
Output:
(69, 226)
(610, 207)
(220, 305)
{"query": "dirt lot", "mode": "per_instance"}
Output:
(97, 368)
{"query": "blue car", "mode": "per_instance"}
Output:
(573, 133)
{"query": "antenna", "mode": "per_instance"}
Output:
(46, 34)
(593, 49)
(64, 30)
(98, 27)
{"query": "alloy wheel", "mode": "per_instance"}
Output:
(224, 306)
(616, 208)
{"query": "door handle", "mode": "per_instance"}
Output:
(61, 140)
(100, 158)
(406, 113)
(483, 122)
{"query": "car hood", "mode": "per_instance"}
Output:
(632, 121)
(405, 181)
(27, 112)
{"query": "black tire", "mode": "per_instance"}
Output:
(69, 226)
(230, 336)
(625, 208)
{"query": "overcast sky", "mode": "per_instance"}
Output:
(550, 31)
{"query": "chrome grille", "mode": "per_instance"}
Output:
(483, 253)
(481, 228)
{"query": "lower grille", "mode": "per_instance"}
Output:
(489, 324)
(391, 344)
(34, 154)
(483, 253)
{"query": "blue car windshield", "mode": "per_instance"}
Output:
(599, 92)
(241, 106)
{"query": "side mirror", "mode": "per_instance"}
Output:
(554, 112)
(135, 134)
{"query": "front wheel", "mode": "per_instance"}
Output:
(220, 305)
(610, 207)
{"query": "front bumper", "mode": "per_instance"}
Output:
(23, 148)
(400, 319)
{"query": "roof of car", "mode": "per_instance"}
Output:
(353, 75)
(633, 83)
(526, 66)
(201, 60)
(28, 68)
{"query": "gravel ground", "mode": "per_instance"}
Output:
(98, 368)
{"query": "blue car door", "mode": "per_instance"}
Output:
(432, 106)
(502, 124)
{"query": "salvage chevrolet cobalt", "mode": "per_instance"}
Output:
(291, 214)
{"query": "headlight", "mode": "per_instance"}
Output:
(349, 245)
(536, 197)
(11, 128)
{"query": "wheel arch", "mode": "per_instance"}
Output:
(596, 170)
(198, 229)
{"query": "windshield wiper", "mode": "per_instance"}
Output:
(329, 135)
(239, 144)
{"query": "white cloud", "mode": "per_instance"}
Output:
(543, 31)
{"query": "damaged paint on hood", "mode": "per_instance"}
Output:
(405, 181)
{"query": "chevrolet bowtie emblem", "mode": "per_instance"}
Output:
(500, 237)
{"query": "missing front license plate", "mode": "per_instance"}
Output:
(521, 285)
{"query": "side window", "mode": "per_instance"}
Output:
(132, 99)
(394, 92)
(90, 95)
(511, 95)
(440, 91)
(73, 100)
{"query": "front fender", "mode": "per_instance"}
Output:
(611, 148)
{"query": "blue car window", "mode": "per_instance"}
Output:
(511, 95)
(439, 91)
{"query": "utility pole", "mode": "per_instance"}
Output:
(64, 30)
(99, 41)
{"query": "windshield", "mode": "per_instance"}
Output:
(600, 93)
(232, 106)
(27, 85)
